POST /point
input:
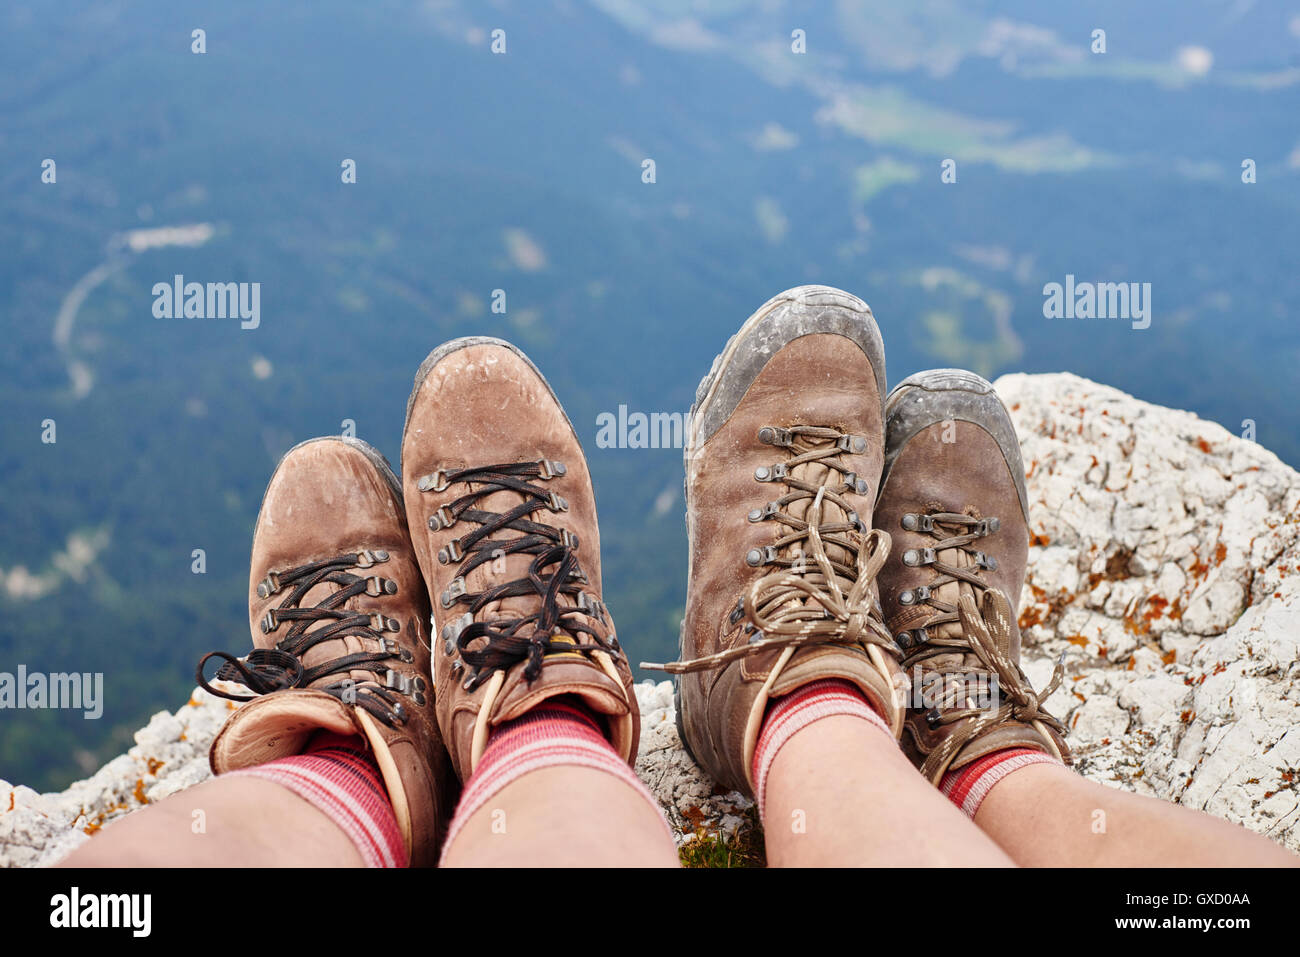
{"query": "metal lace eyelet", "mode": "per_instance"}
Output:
(774, 473)
(452, 630)
(852, 483)
(376, 586)
(269, 622)
(851, 443)
(442, 518)
(922, 592)
(756, 515)
(591, 606)
(914, 522)
(455, 590)
(391, 647)
(760, 556)
(906, 597)
(918, 556)
(772, 435)
(450, 552)
(569, 540)
(366, 557)
(983, 560)
(557, 503)
(550, 469)
(738, 612)
(435, 481)
(932, 718)
(269, 585)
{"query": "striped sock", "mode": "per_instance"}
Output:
(554, 733)
(793, 712)
(968, 787)
(338, 775)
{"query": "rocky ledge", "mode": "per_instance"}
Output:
(1164, 565)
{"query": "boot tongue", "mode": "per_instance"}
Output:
(505, 568)
(335, 647)
(816, 474)
(950, 594)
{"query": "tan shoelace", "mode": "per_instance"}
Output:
(811, 599)
(988, 635)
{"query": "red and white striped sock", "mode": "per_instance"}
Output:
(793, 712)
(968, 787)
(338, 775)
(554, 733)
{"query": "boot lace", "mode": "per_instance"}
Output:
(811, 598)
(501, 641)
(987, 634)
(266, 670)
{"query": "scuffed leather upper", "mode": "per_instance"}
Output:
(330, 497)
(811, 379)
(481, 402)
(952, 449)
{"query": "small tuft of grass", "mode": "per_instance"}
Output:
(711, 849)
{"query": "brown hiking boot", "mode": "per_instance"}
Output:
(783, 461)
(339, 617)
(953, 498)
(504, 519)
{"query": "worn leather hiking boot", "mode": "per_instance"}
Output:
(783, 461)
(953, 498)
(339, 617)
(503, 515)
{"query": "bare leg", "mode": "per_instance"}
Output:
(1046, 815)
(840, 793)
(532, 822)
(225, 822)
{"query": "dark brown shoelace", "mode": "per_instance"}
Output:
(266, 670)
(810, 598)
(502, 641)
